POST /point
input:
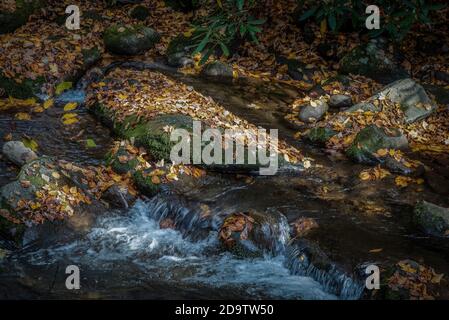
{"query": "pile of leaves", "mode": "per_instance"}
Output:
(152, 94)
(414, 281)
(59, 196)
(238, 224)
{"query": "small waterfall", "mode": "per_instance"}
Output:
(187, 217)
(330, 276)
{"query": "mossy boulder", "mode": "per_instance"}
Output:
(320, 135)
(411, 96)
(140, 12)
(145, 184)
(371, 60)
(153, 134)
(121, 162)
(10, 21)
(372, 138)
(252, 233)
(179, 51)
(130, 40)
(432, 219)
(217, 70)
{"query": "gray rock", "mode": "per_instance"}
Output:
(339, 101)
(312, 113)
(16, 152)
(371, 139)
(179, 52)
(218, 70)
(372, 61)
(363, 106)
(130, 40)
(432, 219)
(413, 99)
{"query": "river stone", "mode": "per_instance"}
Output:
(411, 96)
(364, 106)
(253, 233)
(372, 138)
(306, 258)
(217, 70)
(320, 135)
(130, 40)
(313, 113)
(370, 60)
(339, 101)
(16, 152)
(179, 52)
(432, 219)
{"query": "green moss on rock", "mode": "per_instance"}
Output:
(320, 135)
(371, 139)
(145, 185)
(130, 40)
(432, 219)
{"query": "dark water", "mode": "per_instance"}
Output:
(127, 255)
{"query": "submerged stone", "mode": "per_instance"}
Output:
(372, 61)
(432, 219)
(372, 138)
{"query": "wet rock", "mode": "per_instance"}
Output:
(432, 219)
(399, 167)
(140, 13)
(252, 233)
(372, 61)
(313, 111)
(145, 184)
(130, 40)
(437, 182)
(371, 139)
(118, 197)
(320, 135)
(305, 258)
(340, 101)
(179, 52)
(10, 21)
(303, 226)
(39, 185)
(413, 99)
(217, 70)
(16, 152)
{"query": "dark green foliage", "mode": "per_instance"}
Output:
(231, 21)
(397, 16)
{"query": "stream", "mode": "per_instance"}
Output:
(127, 255)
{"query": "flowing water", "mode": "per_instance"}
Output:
(126, 254)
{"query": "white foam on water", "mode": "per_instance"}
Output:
(135, 238)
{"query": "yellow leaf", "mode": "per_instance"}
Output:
(48, 103)
(375, 250)
(23, 116)
(70, 106)
(323, 26)
(382, 152)
(70, 121)
(55, 175)
(155, 180)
